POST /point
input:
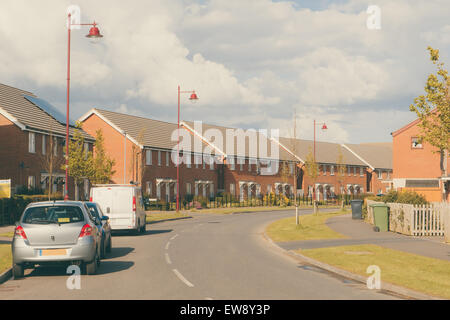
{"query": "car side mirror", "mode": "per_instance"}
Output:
(105, 218)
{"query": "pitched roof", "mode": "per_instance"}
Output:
(326, 152)
(29, 116)
(244, 143)
(375, 155)
(142, 131)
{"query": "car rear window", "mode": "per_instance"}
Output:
(53, 214)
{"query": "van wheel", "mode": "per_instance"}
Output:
(17, 271)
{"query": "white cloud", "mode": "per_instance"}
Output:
(251, 62)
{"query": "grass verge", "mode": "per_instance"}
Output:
(311, 227)
(408, 270)
(159, 216)
(5, 257)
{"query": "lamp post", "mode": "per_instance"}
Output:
(193, 98)
(94, 33)
(324, 127)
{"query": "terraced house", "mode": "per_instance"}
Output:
(243, 163)
(32, 142)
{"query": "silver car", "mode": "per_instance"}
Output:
(56, 232)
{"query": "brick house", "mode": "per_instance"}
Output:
(378, 159)
(142, 149)
(29, 128)
(417, 165)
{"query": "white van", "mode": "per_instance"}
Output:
(123, 204)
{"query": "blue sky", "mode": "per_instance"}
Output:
(251, 62)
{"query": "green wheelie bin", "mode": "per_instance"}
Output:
(381, 216)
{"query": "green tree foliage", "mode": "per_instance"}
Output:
(433, 109)
(311, 166)
(80, 160)
(102, 163)
(409, 197)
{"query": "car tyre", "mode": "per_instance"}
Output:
(91, 268)
(17, 271)
(109, 246)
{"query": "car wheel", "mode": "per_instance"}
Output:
(17, 271)
(109, 246)
(91, 268)
(144, 228)
(102, 249)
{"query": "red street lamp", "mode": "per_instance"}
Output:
(324, 127)
(94, 33)
(193, 98)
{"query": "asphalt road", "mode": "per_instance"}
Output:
(205, 257)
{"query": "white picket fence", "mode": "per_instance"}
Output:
(428, 220)
(416, 220)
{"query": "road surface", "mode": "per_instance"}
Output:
(209, 256)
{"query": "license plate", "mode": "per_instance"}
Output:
(53, 252)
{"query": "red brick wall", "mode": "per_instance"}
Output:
(16, 162)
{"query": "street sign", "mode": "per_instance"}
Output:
(5, 188)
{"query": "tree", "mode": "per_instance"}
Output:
(312, 171)
(50, 161)
(433, 110)
(102, 163)
(80, 160)
(340, 168)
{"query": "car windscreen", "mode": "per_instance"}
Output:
(93, 210)
(53, 214)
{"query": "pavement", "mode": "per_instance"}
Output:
(360, 232)
(207, 257)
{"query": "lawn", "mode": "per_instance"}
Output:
(312, 227)
(159, 216)
(5, 257)
(408, 270)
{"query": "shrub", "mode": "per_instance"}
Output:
(408, 197)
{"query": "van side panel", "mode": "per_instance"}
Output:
(117, 204)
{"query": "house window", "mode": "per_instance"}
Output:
(158, 191)
(331, 170)
(291, 168)
(149, 187)
(55, 146)
(269, 188)
(324, 170)
(211, 163)
(211, 190)
(241, 164)
(188, 188)
(159, 157)
(232, 163)
(380, 174)
(197, 160)
(188, 160)
(388, 175)
(415, 143)
(232, 189)
(249, 165)
(31, 142)
(354, 171)
(148, 157)
(167, 158)
(86, 150)
(349, 170)
(31, 182)
(361, 171)
(43, 144)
